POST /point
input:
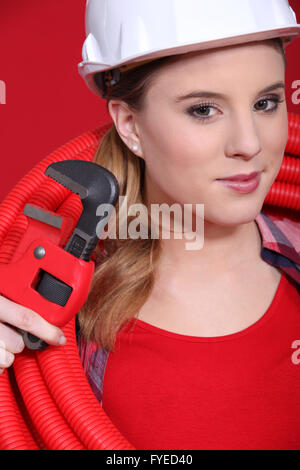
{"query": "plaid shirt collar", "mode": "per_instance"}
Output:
(281, 242)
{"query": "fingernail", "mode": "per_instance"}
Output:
(62, 340)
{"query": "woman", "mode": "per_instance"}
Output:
(196, 345)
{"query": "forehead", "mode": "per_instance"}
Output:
(254, 63)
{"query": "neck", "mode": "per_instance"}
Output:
(226, 249)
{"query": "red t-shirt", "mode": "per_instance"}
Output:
(165, 390)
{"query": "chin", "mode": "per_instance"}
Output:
(235, 214)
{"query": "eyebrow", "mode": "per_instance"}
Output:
(210, 94)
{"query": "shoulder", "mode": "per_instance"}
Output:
(280, 231)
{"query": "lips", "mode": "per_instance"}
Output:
(241, 177)
(239, 184)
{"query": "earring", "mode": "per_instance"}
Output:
(135, 147)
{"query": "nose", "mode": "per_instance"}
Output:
(243, 139)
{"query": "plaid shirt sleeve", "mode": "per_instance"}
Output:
(281, 243)
(94, 361)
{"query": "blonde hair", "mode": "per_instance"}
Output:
(125, 276)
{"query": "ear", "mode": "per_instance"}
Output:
(126, 125)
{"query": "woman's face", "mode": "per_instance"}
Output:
(188, 144)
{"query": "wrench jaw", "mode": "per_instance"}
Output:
(95, 185)
(66, 181)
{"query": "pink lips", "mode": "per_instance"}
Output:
(241, 177)
(242, 183)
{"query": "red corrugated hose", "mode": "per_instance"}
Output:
(45, 399)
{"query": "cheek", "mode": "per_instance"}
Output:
(176, 144)
(274, 139)
(179, 156)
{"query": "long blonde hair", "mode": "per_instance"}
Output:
(125, 276)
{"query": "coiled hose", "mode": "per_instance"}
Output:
(45, 399)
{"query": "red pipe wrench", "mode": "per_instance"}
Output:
(51, 272)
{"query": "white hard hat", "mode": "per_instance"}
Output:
(127, 33)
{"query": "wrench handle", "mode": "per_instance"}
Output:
(33, 342)
(54, 290)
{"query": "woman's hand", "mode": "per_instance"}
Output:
(11, 341)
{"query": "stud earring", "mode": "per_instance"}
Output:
(135, 147)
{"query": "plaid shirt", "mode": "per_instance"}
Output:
(280, 248)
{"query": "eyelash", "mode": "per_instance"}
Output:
(192, 109)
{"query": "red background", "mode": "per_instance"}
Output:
(47, 102)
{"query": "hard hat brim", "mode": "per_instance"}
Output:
(87, 69)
